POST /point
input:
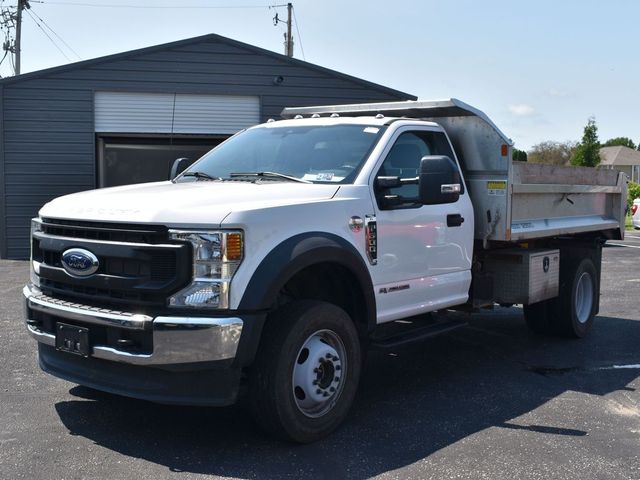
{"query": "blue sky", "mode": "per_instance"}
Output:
(539, 68)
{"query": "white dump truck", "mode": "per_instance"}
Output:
(269, 266)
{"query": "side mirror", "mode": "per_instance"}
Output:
(439, 180)
(179, 166)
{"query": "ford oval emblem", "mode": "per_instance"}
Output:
(80, 262)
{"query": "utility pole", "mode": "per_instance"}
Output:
(289, 46)
(22, 4)
(288, 38)
(10, 20)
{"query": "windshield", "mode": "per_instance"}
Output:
(318, 154)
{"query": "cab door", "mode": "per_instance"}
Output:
(423, 251)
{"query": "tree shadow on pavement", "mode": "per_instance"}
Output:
(412, 402)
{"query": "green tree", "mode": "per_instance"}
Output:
(587, 154)
(633, 192)
(623, 141)
(519, 155)
(552, 153)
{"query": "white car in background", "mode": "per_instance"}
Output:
(635, 212)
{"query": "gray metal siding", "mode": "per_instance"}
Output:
(3, 197)
(48, 152)
(48, 118)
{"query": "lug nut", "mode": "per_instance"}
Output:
(315, 382)
(337, 379)
(328, 355)
(332, 389)
(326, 394)
(318, 391)
(338, 367)
(335, 359)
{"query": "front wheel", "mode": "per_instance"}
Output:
(306, 372)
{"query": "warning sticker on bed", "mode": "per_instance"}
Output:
(497, 187)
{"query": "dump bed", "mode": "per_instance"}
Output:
(513, 201)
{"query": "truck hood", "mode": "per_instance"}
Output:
(196, 203)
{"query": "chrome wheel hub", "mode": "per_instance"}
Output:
(584, 297)
(319, 373)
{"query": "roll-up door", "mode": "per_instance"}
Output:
(133, 112)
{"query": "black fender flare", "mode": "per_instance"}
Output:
(301, 251)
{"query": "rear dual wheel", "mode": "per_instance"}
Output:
(572, 313)
(306, 372)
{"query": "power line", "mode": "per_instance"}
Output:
(48, 36)
(6, 52)
(128, 5)
(58, 36)
(298, 32)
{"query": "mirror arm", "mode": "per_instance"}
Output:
(410, 181)
(394, 182)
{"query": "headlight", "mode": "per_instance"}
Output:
(34, 264)
(216, 257)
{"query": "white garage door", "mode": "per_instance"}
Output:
(130, 112)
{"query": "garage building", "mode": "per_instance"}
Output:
(124, 118)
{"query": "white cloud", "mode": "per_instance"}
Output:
(522, 110)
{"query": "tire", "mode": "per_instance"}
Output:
(578, 300)
(570, 314)
(306, 372)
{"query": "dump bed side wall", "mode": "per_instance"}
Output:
(548, 200)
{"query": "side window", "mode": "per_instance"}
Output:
(403, 160)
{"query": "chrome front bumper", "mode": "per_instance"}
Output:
(175, 339)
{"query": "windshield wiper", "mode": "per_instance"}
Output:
(268, 175)
(200, 175)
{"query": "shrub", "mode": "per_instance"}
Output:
(634, 192)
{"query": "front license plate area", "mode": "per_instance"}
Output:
(72, 339)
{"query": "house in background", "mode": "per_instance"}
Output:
(624, 159)
(124, 118)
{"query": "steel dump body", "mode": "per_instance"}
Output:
(513, 201)
(546, 200)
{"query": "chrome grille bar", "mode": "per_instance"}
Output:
(85, 313)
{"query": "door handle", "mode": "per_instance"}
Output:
(455, 220)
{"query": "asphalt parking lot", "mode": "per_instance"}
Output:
(488, 401)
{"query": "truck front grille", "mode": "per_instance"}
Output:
(138, 267)
(111, 232)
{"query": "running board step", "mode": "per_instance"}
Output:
(416, 334)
